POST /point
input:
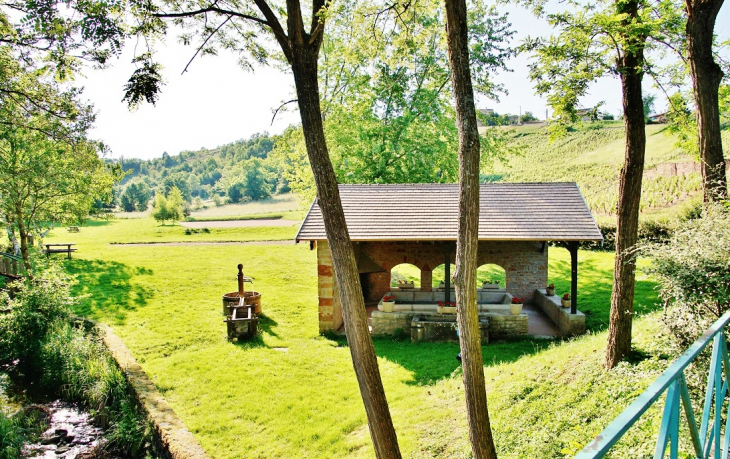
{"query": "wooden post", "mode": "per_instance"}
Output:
(572, 247)
(447, 275)
(240, 280)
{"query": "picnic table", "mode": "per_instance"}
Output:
(60, 248)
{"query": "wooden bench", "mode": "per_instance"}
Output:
(59, 248)
(73, 229)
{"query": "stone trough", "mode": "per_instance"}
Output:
(494, 316)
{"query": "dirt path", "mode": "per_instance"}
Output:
(240, 223)
(183, 244)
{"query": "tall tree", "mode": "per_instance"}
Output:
(706, 78)
(49, 171)
(242, 28)
(595, 40)
(467, 244)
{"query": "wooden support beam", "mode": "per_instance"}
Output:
(573, 249)
(447, 274)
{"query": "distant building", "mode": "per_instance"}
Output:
(659, 118)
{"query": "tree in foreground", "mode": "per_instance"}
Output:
(706, 78)
(243, 27)
(596, 40)
(49, 172)
(467, 244)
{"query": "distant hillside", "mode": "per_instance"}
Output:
(592, 155)
(239, 171)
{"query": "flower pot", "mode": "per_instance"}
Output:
(490, 286)
(388, 306)
(515, 309)
(566, 303)
(446, 309)
(550, 291)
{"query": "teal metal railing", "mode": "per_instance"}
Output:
(706, 440)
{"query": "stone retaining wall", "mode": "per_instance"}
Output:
(500, 325)
(569, 324)
(174, 439)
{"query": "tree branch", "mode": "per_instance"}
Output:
(204, 43)
(213, 9)
(273, 22)
(280, 107)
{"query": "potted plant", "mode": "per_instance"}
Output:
(388, 303)
(516, 307)
(565, 300)
(446, 308)
(490, 284)
(550, 290)
(442, 285)
(403, 284)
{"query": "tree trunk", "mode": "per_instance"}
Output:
(630, 66)
(480, 431)
(23, 236)
(706, 78)
(304, 68)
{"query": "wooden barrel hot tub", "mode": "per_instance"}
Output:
(233, 298)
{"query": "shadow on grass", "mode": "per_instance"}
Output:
(96, 223)
(109, 288)
(595, 282)
(432, 362)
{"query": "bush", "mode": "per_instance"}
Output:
(67, 357)
(38, 305)
(693, 274)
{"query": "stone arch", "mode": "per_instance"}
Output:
(405, 271)
(490, 272)
(438, 274)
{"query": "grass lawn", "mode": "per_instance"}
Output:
(147, 230)
(293, 393)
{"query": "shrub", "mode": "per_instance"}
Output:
(38, 305)
(693, 274)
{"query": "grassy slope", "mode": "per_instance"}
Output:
(302, 401)
(592, 155)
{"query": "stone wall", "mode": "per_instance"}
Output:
(569, 324)
(500, 325)
(330, 308)
(525, 265)
(507, 326)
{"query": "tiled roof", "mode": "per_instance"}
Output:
(429, 212)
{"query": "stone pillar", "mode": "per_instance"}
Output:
(426, 279)
(330, 309)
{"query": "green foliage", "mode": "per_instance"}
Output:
(174, 205)
(136, 197)
(77, 362)
(160, 213)
(49, 171)
(693, 274)
(23, 427)
(67, 359)
(208, 173)
(386, 93)
(38, 306)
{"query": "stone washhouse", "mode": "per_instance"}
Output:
(417, 224)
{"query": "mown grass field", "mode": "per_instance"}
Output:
(293, 393)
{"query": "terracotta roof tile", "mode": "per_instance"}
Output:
(424, 212)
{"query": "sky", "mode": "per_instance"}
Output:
(216, 102)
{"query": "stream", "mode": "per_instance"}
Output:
(71, 433)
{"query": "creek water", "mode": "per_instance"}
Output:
(71, 433)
